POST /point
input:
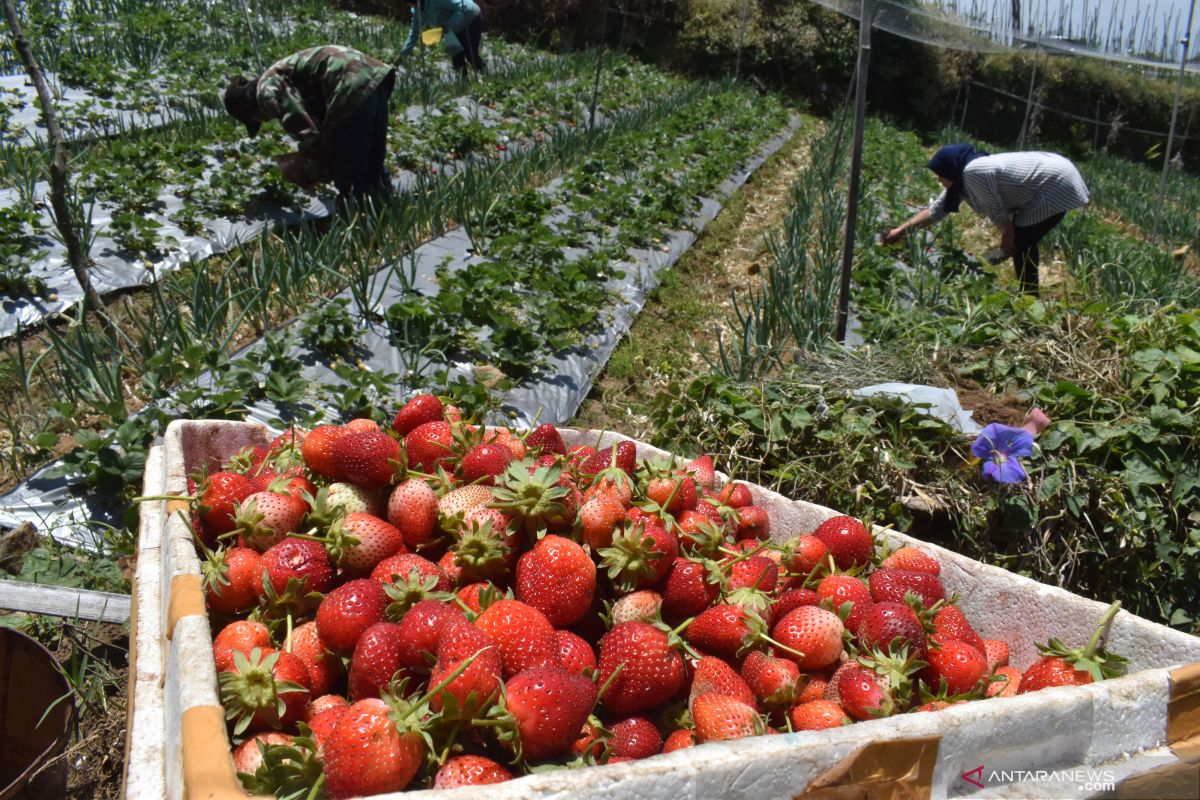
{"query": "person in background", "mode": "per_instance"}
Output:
(334, 101)
(461, 22)
(1024, 194)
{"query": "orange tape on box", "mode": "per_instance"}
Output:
(187, 600)
(208, 772)
(893, 770)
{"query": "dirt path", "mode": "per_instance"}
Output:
(687, 315)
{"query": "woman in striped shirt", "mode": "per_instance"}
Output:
(1024, 194)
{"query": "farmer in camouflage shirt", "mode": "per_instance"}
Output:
(334, 101)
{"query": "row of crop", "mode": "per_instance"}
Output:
(1110, 499)
(183, 344)
(214, 173)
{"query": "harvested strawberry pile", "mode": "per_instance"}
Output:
(442, 604)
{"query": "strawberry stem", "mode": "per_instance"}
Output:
(609, 681)
(1101, 629)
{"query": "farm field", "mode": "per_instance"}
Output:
(664, 265)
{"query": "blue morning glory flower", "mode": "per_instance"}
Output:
(999, 446)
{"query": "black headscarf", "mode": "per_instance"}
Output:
(949, 163)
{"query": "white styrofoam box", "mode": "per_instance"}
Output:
(1054, 729)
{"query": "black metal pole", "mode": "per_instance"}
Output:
(860, 114)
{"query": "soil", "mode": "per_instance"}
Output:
(95, 754)
(987, 407)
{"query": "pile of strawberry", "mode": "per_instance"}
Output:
(443, 604)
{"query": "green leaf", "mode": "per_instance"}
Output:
(1140, 473)
(1072, 389)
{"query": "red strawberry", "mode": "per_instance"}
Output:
(428, 445)
(476, 686)
(702, 470)
(375, 661)
(957, 663)
(366, 753)
(599, 517)
(653, 672)
(672, 493)
(400, 568)
(323, 723)
(891, 585)
(711, 674)
(318, 450)
(862, 695)
(325, 669)
(265, 689)
(774, 681)
(365, 459)
(679, 740)
(574, 652)
(753, 522)
(951, 623)
(735, 495)
(641, 554)
(421, 628)
(267, 518)
(686, 591)
(794, 598)
(484, 462)
(507, 438)
(469, 770)
(885, 622)
(220, 494)
(412, 508)
(912, 559)
(841, 589)
(301, 560)
(699, 533)
(418, 410)
(578, 455)
(362, 425)
(557, 577)
(486, 548)
(548, 707)
(1007, 686)
(718, 717)
(524, 635)
(349, 610)
(626, 459)
(996, 652)
(804, 554)
(374, 538)
(544, 439)
(232, 579)
(241, 636)
(813, 631)
(753, 572)
(848, 541)
(813, 687)
(247, 756)
(817, 715)
(634, 737)
(725, 630)
(1064, 666)
(326, 702)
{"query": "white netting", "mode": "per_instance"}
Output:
(1148, 43)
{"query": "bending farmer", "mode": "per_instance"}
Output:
(334, 101)
(461, 22)
(1024, 194)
